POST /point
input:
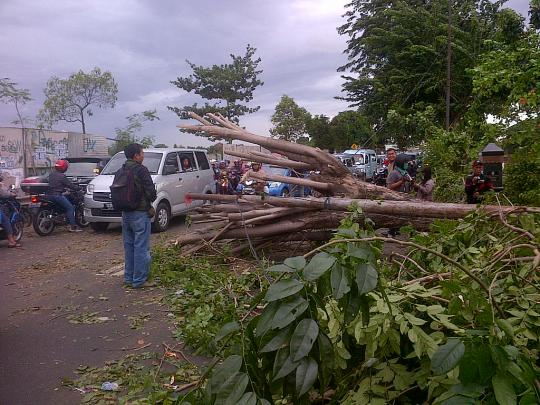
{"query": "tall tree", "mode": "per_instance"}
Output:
(351, 127)
(289, 120)
(534, 14)
(11, 94)
(397, 59)
(227, 87)
(70, 99)
(318, 128)
(129, 133)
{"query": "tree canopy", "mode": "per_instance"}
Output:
(397, 59)
(227, 87)
(70, 99)
(10, 93)
(129, 133)
(289, 120)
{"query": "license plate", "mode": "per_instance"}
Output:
(34, 205)
(107, 206)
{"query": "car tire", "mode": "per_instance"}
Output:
(162, 218)
(285, 193)
(99, 226)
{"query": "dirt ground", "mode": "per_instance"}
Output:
(51, 290)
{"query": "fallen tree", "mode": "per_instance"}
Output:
(262, 219)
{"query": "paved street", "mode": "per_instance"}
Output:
(49, 289)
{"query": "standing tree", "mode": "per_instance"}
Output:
(226, 86)
(318, 128)
(290, 120)
(69, 99)
(128, 134)
(10, 94)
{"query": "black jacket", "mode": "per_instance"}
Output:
(58, 183)
(144, 182)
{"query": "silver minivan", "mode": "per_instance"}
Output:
(175, 173)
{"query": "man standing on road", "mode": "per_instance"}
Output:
(136, 223)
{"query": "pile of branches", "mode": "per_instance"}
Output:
(262, 220)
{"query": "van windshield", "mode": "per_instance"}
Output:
(151, 161)
(358, 159)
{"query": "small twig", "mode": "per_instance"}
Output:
(411, 260)
(515, 228)
(427, 279)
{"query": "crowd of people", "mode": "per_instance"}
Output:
(231, 178)
(402, 177)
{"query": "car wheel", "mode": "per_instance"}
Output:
(162, 218)
(285, 192)
(99, 226)
(43, 222)
(79, 217)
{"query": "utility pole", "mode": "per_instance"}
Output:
(449, 65)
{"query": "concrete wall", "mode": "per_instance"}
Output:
(43, 148)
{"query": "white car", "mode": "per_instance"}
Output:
(175, 173)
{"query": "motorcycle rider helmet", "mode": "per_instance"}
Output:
(256, 164)
(61, 165)
(222, 164)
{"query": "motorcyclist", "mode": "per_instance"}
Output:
(223, 184)
(4, 215)
(235, 174)
(259, 185)
(58, 184)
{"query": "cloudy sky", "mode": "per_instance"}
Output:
(144, 44)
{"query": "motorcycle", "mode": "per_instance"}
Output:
(46, 214)
(379, 178)
(252, 187)
(12, 208)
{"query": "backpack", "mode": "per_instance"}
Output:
(125, 194)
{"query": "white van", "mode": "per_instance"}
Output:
(175, 173)
(365, 162)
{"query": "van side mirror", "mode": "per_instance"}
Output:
(169, 169)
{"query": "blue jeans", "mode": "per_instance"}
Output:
(6, 224)
(136, 234)
(63, 202)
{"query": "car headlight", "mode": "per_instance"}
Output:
(90, 189)
(363, 170)
(275, 184)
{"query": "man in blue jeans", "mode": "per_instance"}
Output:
(58, 185)
(136, 224)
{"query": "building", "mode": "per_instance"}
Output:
(43, 148)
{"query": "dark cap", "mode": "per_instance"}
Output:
(477, 163)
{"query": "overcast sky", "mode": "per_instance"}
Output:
(145, 43)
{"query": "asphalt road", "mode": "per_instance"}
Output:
(54, 281)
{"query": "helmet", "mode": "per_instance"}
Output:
(61, 165)
(477, 163)
(222, 164)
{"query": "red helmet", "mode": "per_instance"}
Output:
(61, 165)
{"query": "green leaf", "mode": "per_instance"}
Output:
(319, 264)
(283, 289)
(283, 364)
(297, 263)
(303, 338)
(232, 390)
(360, 252)
(447, 356)
(366, 278)
(306, 374)
(339, 281)
(226, 330)
(265, 319)
(263, 401)
(280, 268)
(224, 371)
(504, 392)
(277, 341)
(249, 398)
(288, 311)
(506, 327)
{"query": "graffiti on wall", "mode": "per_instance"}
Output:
(47, 146)
(89, 145)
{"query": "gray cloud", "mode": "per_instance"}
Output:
(145, 45)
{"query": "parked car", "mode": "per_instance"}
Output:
(365, 162)
(276, 188)
(175, 173)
